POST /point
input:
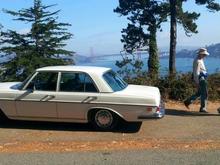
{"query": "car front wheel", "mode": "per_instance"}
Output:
(104, 120)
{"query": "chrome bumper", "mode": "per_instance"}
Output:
(161, 113)
(156, 115)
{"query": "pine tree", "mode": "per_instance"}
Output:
(0, 46)
(145, 17)
(42, 46)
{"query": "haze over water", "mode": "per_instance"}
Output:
(182, 64)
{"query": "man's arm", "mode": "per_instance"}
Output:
(196, 71)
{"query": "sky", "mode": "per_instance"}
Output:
(97, 29)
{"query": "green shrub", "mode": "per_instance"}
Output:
(180, 86)
(214, 86)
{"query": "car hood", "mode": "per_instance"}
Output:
(9, 86)
(142, 93)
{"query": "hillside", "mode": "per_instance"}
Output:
(213, 49)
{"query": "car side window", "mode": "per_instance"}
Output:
(89, 84)
(76, 82)
(44, 81)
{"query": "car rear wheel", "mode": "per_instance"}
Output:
(104, 120)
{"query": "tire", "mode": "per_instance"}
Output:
(104, 120)
(3, 118)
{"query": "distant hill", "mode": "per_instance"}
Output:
(213, 49)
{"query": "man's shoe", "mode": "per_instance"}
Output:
(186, 104)
(203, 111)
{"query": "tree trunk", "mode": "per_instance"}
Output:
(173, 37)
(153, 60)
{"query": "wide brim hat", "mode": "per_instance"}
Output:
(203, 51)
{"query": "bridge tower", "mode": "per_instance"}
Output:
(91, 55)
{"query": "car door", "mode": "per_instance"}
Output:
(38, 98)
(77, 93)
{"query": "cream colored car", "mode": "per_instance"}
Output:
(79, 94)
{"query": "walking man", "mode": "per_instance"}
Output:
(200, 78)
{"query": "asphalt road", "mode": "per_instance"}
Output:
(139, 157)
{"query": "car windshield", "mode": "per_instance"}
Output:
(114, 81)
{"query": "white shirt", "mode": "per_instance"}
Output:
(198, 67)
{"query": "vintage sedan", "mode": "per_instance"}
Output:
(79, 94)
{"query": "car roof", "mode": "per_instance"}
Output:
(87, 69)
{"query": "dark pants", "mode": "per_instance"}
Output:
(202, 92)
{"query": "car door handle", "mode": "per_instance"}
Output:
(50, 97)
(47, 98)
(89, 99)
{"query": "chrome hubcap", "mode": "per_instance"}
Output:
(103, 118)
